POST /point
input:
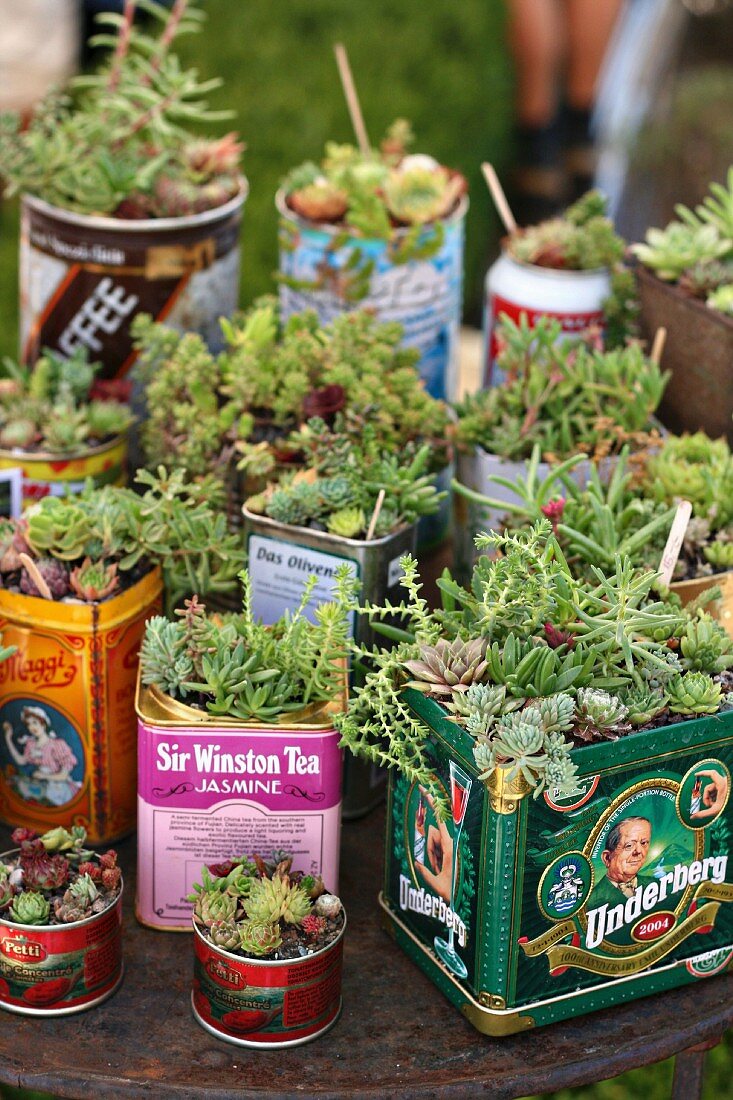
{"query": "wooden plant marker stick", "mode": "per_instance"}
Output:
(497, 194)
(674, 541)
(375, 515)
(352, 99)
(660, 339)
(35, 575)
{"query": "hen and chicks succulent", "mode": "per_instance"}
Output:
(264, 909)
(54, 879)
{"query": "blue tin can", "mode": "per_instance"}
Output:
(324, 268)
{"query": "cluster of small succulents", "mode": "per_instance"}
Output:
(532, 659)
(52, 407)
(263, 909)
(340, 487)
(234, 665)
(91, 546)
(122, 146)
(568, 396)
(370, 194)
(699, 469)
(254, 397)
(53, 879)
(582, 239)
(696, 252)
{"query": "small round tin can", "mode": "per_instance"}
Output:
(574, 298)
(56, 970)
(264, 1003)
(43, 474)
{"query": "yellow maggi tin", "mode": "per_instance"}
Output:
(67, 710)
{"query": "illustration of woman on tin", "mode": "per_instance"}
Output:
(47, 754)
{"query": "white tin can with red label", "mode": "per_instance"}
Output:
(574, 298)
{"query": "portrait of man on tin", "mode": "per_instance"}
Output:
(624, 855)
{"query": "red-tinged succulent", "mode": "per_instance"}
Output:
(22, 837)
(92, 869)
(312, 925)
(108, 859)
(6, 893)
(111, 878)
(53, 574)
(221, 870)
(556, 637)
(44, 872)
(324, 403)
(214, 157)
(94, 580)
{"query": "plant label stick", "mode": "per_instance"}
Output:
(674, 542)
(497, 194)
(352, 99)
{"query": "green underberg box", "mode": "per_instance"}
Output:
(524, 911)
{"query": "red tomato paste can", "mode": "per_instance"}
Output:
(266, 1003)
(56, 970)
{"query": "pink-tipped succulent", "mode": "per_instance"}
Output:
(44, 872)
(219, 156)
(53, 573)
(94, 580)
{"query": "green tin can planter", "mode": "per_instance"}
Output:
(511, 906)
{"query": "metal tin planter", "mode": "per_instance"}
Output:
(43, 475)
(518, 923)
(264, 1003)
(324, 268)
(67, 747)
(574, 298)
(210, 786)
(721, 609)
(83, 279)
(698, 352)
(281, 558)
(60, 969)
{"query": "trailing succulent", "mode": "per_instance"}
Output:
(531, 659)
(253, 399)
(235, 666)
(582, 239)
(371, 194)
(121, 144)
(567, 396)
(339, 489)
(264, 909)
(91, 546)
(696, 251)
(54, 879)
(53, 406)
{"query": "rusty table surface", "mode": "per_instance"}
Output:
(398, 1036)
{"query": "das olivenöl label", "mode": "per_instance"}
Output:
(526, 911)
(207, 792)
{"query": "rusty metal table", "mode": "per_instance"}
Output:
(397, 1037)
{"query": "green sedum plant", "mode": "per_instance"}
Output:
(235, 666)
(52, 407)
(582, 239)
(274, 912)
(569, 397)
(531, 659)
(121, 143)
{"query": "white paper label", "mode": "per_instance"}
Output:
(279, 570)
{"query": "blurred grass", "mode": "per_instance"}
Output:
(442, 65)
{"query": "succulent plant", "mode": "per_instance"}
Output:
(121, 145)
(565, 396)
(54, 575)
(643, 705)
(705, 645)
(275, 899)
(259, 937)
(721, 299)
(669, 252)
(213, 906)
(94, 580)
(225, 933)
(719, 554)
(45, 872)
(30, 907)
(582, 239)
(327, 906)
(313, 925)
(448, 666)
(347, 523)
(599, 714)
(694, 693)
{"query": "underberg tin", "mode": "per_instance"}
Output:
(67, 714)
(265, 1003)
(60, 969)
(208, 787)
(526, 911)
(326, 269)
(43, 475)
(574, 298)
(83, 279)
(281, 558)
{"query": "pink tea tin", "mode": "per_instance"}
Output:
(210, 787)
